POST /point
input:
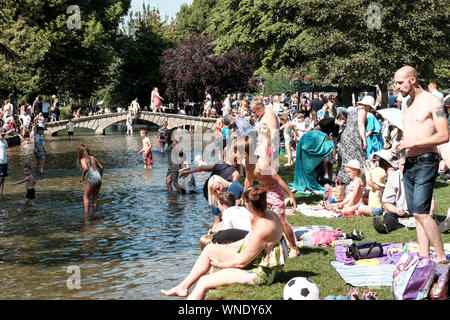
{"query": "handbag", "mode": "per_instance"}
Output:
(413, 277)
(365, 250)
(338, 191)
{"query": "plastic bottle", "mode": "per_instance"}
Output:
(346, 242)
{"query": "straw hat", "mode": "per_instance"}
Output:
(354, 164)
(378, 176)
(367, 101)
(387, 156)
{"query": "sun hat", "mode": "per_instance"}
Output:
(368, 101)
(387, 156)
(378, 176)
(354, 164)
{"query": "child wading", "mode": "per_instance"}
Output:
(29, 183)
(93, 169)
(146, 150)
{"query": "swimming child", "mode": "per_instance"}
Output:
(93, 171)
(146, 150)
(162, 140)
(29, 183)
(354, 197)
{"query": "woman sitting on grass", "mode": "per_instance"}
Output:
(254, 260)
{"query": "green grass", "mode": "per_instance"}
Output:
(314, 263)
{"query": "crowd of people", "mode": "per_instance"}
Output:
(387, 170)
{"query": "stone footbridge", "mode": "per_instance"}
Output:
(99, 123)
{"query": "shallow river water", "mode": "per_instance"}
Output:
(144, 240)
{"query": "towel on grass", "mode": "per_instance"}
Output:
(316, 211)
(365, 276)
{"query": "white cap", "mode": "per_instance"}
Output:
(354, 164)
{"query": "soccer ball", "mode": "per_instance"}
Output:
(300, 289)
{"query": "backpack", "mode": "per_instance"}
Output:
(364, 250)
(413, 277)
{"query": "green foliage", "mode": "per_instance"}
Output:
(277, 83)
(333, 38)
(49, 57)
(135, 68)
(22, 47)
(193, 19)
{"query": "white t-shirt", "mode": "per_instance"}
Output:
(236, 218)
(26, 119)
(3, 146)
(8, 109)
(70, 126)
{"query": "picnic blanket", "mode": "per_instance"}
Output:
(312, 149)
(316, 211)
(365, 276)
(375, 275)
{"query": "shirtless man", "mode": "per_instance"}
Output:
(276, 188)
(422, 159)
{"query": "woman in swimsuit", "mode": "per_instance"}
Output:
(254, 260)
(93, 171)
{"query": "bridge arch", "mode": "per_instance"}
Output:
(99, 123)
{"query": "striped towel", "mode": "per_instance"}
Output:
(365, 276)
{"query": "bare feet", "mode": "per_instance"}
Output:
(293, 252)
(176, 291)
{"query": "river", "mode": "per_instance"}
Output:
(144, 240)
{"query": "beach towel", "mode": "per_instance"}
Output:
(392, 252)
(316, 211)
(365, 276)
(312, 149)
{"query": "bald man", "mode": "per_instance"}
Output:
(424, 128)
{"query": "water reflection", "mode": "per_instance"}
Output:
(144, 239)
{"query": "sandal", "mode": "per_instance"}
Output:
(357, 235)
(368, 295)
(353, 294)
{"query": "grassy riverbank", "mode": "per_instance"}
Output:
(314, 263)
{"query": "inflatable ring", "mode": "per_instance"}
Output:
(368, 262)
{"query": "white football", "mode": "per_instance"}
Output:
(300, 289)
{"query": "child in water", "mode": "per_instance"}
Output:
(146, 150)
(93, 170)
(29, 184)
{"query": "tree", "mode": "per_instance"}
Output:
(193, 19)
(135, 69)
(70, 47)
(343, 43)
(22, 47)
(192, 67)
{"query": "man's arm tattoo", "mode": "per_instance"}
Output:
(440, 112)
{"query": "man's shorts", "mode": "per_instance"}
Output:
(70, 133)
(275, 199)
(3, 170)
(377, 212)
(419, 175)
(174, 174)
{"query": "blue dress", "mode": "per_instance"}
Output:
(375, 140)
